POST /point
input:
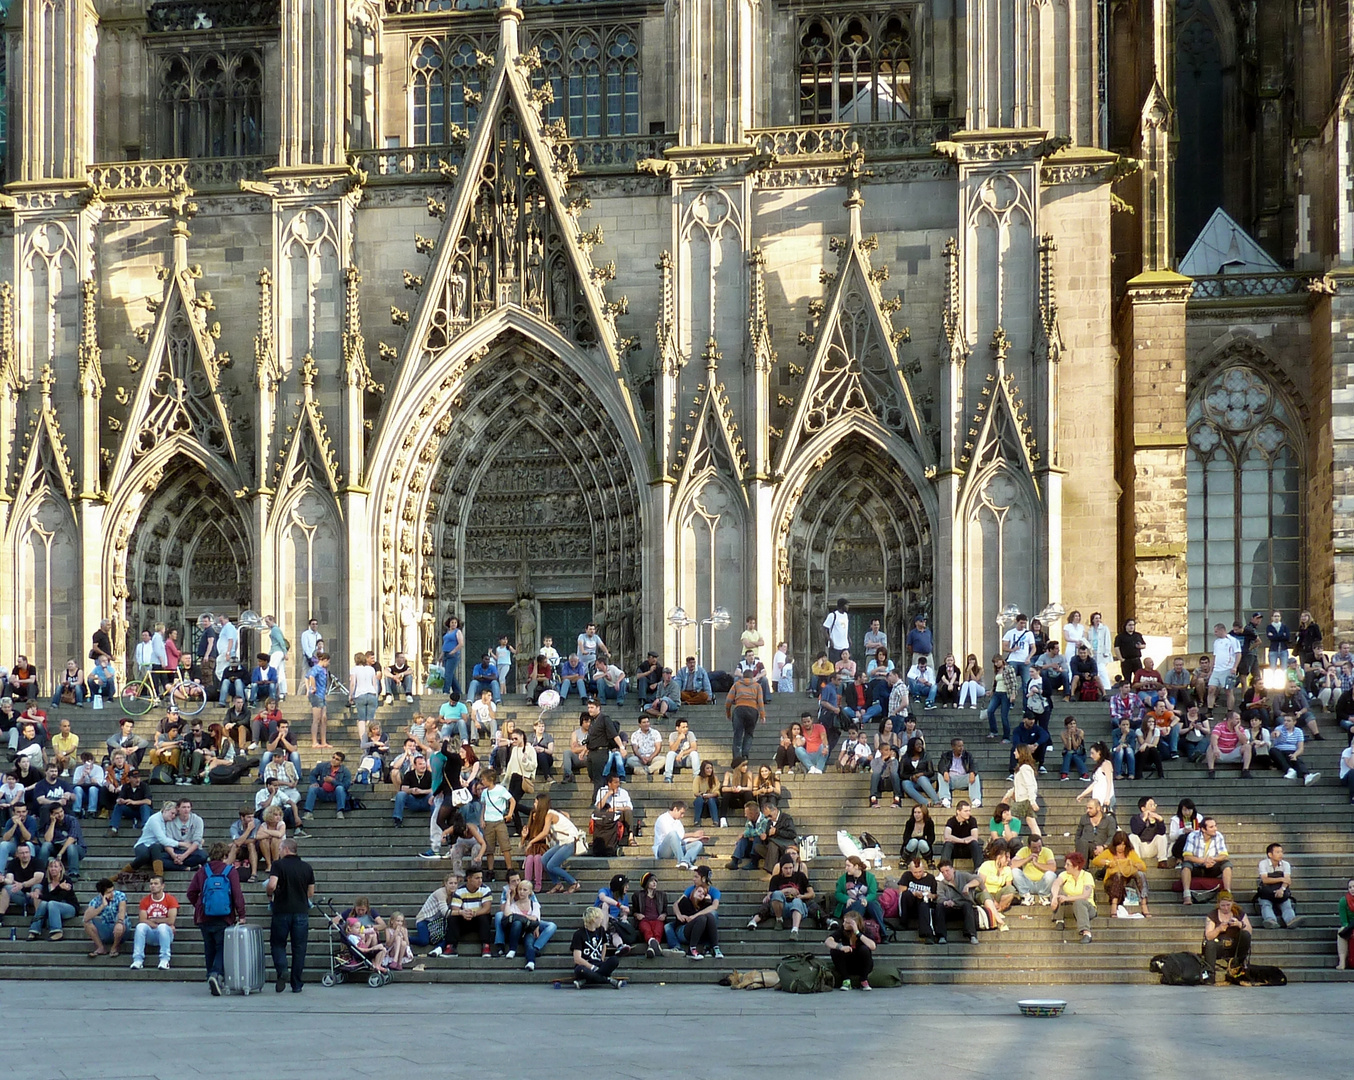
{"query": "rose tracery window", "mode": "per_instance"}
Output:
(1244, 483)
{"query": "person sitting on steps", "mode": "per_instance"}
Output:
(1205, 853)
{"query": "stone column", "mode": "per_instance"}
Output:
(1154, 580)
(314, 87)
(53, 89)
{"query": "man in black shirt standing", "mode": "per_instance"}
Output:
(604, 736)
(290, 888)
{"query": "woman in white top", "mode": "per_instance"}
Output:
(364, 692)
(1101, 641)
(1347, 768)
(522, 921)
(1074, 633)
(1023, 797)
(1260, 742)
(1101, 787)
(563, 845)
(778, 663)
(972, 686)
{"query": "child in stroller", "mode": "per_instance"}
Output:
(354, 950)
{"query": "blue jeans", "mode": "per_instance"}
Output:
(553, 863)
(101, 686)
(672, 847)
(918, 689)
(1125, 760)
(1286, 912)
(521, 935)
(1054, 680)
(920, 790)
(811, 760)
(1023, 670)
(339, 796)
(262, 691)
(864, 715)
(404, 801)
(456, 727)
(51, 913)
(605, 691)
(268, 756)
(1074, 763)
(141, 813)
(231, 687)
(214, 950)
(706, 804)
(999, 700)
(297, 928)
(399, 685)
(1170, 742)
(79, 695)
(580, 685)
(450, 663)
(615, 764)
(492, 685)
(87, 798)
(71, 858)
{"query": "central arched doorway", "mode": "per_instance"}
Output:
(534, 507)
(187, 552)
(858, 531)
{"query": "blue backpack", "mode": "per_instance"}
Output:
(216, 899)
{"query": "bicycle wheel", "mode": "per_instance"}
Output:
(136, 698)
(191, 700)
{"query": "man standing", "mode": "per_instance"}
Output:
(875, 639)
(1226, 655)
(920, 641)
(590, 647)
(1019, 645)
(745, 706)
(453, 644)
(604, 737)
(290, 887)
(310, 643)
(838, 628)
(278, 649)
(227, 648)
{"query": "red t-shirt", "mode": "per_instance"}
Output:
(158, 909)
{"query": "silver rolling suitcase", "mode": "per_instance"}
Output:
(244, 959)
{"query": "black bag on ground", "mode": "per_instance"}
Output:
(1181, 969)
(231, 773)
(606, 835)
(721, 682)
(161, 774)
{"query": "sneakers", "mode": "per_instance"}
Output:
(973, 939)
(1085, 776)
(339, 815)
(1044, 770)
(1064, 776)
(1028, 900)
(1086, 938)
(615, 984)
(794, 933)
(815, 771)
(929, 705)
(1044, 901)
(531, 965)
(1010, 776)
(300, 834)
(649, 953)
(694, 954)
(438, 953)
(390, 699)
(1291, 774)
(164, 965)
(846, 985)
(1060, 924)
(945, 803)
(214, 985)
(865, 983)
(977, 803)
(719, 953)
(1310, 779)
(683, 866)
(752, 923)
(942, 940)
(137, 965)
(578, 984)
(484, 953)
(429, 854)
(723, 823)
(512, 954)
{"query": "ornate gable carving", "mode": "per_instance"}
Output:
(309, 455)
(710, 437)
(47, 462)
(179, 395)
(509, 235)
(999, 432)
(854, 366)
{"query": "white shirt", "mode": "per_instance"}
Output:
(157, 644)
(145, 654)
(587, 647)
(1074, 634)
(309, 639)
(362, 680)
(925, 675)
(1018, 643)
(838, 627)
(551, 655)
(666, 825)
(1346, 761)
(1267, 867)
(228, 641)
(1226, 653)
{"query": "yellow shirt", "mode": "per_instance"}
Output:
(1080, 886)
(822, 667)
(65, 745)
(994, 877)
(1035, 868)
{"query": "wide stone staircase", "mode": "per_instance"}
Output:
(365, 855)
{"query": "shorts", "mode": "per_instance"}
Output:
(316, 701)
(1231, 757)
(1222, 681)
(1022, 810)
(105, 931)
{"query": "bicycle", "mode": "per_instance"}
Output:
(138, 698)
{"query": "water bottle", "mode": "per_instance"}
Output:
(13, 934)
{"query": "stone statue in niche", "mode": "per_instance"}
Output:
(626, 644)
(428, 626)
(409, 628)
(526, 612)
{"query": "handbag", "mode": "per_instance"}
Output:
(67, 695)
(460, 796)
(580, 844)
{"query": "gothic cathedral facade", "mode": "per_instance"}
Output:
(556, 310)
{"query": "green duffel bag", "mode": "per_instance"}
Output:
(804, 973)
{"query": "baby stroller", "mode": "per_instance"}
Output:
(346, 960)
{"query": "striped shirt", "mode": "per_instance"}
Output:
(1202, 847)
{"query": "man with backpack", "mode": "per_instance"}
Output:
(218, 902)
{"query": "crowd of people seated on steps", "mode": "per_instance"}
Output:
(863, 718)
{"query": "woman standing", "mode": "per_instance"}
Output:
(1074, 633)
(1024, 794)
(1101, 787)
(364, 691)
(1098, 638)
(1005, 689)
